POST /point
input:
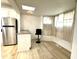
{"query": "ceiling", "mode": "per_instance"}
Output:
(47, 7)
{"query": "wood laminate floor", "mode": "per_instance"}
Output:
(44, 50)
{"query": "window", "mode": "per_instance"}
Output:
(68, 19)
(68, 23)
(64, 20)
(59, 21)
(47, 25)
(47, 20)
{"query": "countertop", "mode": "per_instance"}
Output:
(24, 32)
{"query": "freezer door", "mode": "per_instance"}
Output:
(9, 35)
(9, 21)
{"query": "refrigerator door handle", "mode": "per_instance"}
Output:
(1, 30)
(8, 26)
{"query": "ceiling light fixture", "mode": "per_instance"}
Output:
(28, 8)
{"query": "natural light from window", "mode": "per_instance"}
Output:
(47, 20)
(68, 19)
(59, 21)
(64, 20)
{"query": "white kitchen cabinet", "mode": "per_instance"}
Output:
(24, 42)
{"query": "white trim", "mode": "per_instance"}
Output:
(59, 41)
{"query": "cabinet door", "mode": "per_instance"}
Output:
(24, 42)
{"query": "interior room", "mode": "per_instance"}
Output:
(38, 29)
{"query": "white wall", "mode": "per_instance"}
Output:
(31, 23)
(74, 42)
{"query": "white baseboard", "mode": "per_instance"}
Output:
(59, 41)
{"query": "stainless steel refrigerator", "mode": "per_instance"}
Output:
(9, 31)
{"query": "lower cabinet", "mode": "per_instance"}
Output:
(24, 42)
